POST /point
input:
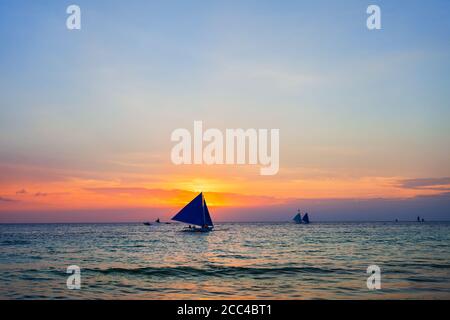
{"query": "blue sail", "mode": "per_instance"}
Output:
(195, 212)
(298, 218)
(208, 220)
(305, 218)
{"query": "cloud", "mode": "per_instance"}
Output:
(439, 184)
(178, 197)
(138, 191)
(23, 191)
(7, 199)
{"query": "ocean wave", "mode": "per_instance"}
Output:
(14, 242)
(215, 271)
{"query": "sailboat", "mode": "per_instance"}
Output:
(196, 213)
(299, 220)
(305, 218)
(298, 217)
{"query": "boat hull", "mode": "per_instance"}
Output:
(198, 230)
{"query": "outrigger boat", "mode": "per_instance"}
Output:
(196, 214)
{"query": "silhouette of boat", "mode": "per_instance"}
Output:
(305, 218)
(298, 217)
(196, 214)
(301, 220)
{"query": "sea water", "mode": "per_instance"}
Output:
(237, 260)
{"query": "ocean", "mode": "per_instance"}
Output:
(237, 260)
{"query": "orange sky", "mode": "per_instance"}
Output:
(40, 188)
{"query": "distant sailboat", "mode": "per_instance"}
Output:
(299, 220)
(196, 213)
(298, 217)
(305, 218)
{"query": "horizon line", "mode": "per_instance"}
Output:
(267, 221)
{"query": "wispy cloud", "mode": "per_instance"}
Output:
(180, 197)
(40, 194)
(7, 199)
(438, 184)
